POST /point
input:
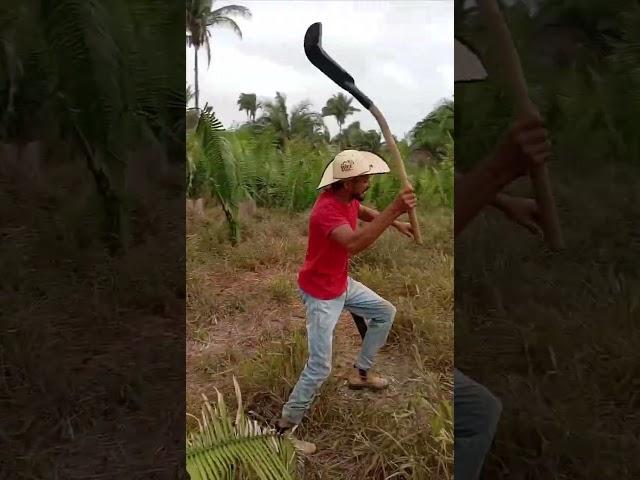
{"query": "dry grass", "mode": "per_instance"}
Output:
(555, 336)
(259, 335)
(88, 348)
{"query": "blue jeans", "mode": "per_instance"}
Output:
(322, 317)
(476, 415)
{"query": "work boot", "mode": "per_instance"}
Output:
(362, 379)
(286, 428)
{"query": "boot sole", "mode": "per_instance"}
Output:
(306, 448)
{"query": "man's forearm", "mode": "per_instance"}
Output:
(369, 214)
(498, 202)
(368, 234)
(473, 191)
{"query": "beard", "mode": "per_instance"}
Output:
(359, 196)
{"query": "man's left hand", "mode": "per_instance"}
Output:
(524, 212)
(404, 228)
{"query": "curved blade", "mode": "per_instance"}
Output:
(467, 66)
(327, 65)
(361, 325)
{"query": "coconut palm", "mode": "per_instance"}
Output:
(307, 124)
(354, 137)
(200, 17)
(301, 123)
(432, 133)
(100, 95)
(339, 106)
(248, 102)
(189, 95)
(275, 117)
(214, 167)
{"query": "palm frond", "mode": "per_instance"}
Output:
(222, 446)
(232, 10)
(220, 167)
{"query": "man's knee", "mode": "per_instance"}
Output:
(319, 369)
(385, 313)
(389, 310)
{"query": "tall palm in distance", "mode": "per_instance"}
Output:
(434, 131)
(339, 106)
(301, 122)
(200, 17)
(247, 102)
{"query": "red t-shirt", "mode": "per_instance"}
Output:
(324, 273)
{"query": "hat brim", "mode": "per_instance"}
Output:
(467, 65)
(377, 167)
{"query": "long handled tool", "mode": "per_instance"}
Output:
(515, 78)
(318, 57)
(361, 324)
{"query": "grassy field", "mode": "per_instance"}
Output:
(555, 335)
(244, 318)
(91, 344)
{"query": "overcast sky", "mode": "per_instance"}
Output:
(400, 54)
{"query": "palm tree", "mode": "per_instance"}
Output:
(275, 117)
(212, 167)
(432, 133)
(339, 106)
(192, 114)
(200, 17)
(189, 94)
(301, 123)
(354, 137)
(247, 102)
(307, 124)
(99, 95)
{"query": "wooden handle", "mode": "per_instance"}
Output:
(515, 78)
(413, 217)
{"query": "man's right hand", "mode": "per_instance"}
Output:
(525, 146)
(405, 201)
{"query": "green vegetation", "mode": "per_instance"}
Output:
(92, 99)
(553, 335)
(200, 18)
(228, 448)
(251, 327)
(277, 160)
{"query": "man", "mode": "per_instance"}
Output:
(324, 282)
(476, 410)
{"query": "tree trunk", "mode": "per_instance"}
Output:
(116, 230)
(195, 72)
(232, 223)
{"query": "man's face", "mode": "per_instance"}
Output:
(358, 187)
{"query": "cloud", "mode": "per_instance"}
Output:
(447, 73)
(400, 54)
(399, 74)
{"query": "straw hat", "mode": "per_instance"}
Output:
(352, 163)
